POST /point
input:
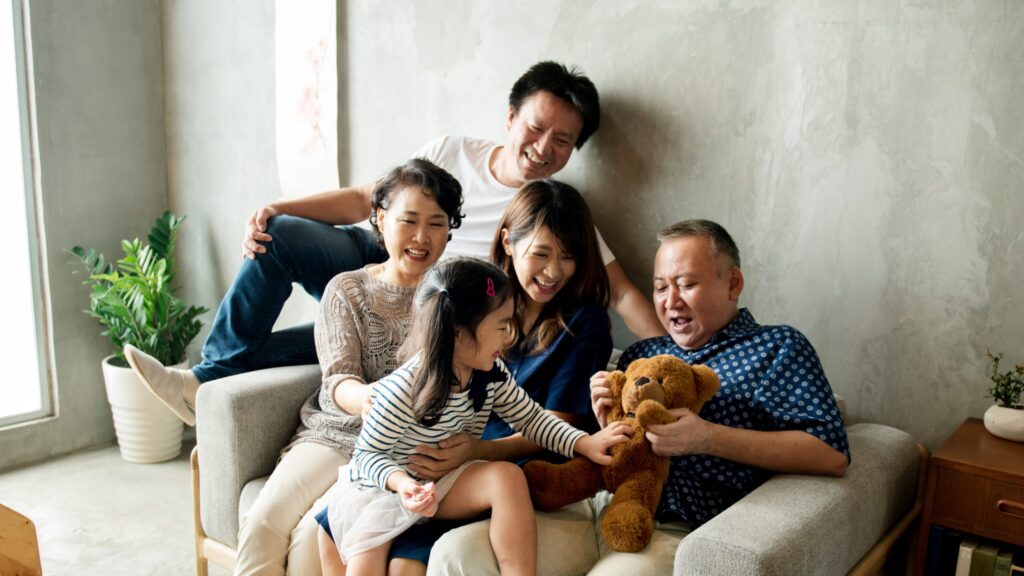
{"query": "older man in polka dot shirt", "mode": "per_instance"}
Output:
(775, 412)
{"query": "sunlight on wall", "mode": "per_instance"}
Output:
(306, 48)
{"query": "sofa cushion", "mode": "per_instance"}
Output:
(795, 524)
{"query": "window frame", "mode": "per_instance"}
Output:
(40, 313)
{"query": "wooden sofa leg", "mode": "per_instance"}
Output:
(202, 564)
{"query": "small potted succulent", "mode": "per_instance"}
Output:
(1005, 418)
(134, 301)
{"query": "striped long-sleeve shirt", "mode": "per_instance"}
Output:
(390, 432)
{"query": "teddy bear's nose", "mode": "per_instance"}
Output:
(642, 380)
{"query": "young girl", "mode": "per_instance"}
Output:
(451, 385)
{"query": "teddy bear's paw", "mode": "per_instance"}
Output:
(627, 527)
(651, 412)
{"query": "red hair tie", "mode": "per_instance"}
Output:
(490, 288)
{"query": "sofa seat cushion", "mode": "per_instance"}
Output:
(249, 493)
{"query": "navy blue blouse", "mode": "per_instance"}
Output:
(558, 378)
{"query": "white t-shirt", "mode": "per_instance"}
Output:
(484, 197)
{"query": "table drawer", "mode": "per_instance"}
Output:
(980, 505)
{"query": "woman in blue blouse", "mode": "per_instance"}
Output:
(546, 242)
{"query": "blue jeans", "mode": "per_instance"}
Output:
(303, 251)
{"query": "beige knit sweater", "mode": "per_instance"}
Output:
(361, 324)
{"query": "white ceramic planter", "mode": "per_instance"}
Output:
(146, 430)
(1006, 423)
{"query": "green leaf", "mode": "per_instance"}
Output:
(135, 301)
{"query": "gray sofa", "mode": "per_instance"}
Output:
(790, 525)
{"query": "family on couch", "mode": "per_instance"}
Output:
(774, 412)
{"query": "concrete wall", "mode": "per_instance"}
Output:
(99, 112)
(221, 159)
(867, 156)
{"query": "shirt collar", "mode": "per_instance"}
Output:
(739, 326)
(479, 381)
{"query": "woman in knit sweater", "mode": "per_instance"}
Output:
(364, 317)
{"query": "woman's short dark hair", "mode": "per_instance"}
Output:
(454, 293)
(562, 209)
(430, 178)
(569, 84)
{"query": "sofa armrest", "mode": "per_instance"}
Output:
(796, 524)
(242, 423)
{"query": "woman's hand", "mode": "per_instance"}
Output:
(600, 396)
(596, 446)
(417, 498)
(256, 232)
(432, 463)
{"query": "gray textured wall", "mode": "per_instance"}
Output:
(99, 112)
(867, 156)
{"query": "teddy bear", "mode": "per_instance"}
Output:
(644, 392)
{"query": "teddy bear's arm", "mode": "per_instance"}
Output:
(651, 412)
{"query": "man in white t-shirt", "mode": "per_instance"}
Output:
(309, 240)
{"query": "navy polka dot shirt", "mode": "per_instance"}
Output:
(771, 380)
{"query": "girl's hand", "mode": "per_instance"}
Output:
(432, 463)
(600, 396)
(596, 446)
(420, 499)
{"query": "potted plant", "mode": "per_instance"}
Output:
(1005, 418)
(134, 301)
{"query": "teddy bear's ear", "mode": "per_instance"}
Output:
(616, 382)
(706, 382)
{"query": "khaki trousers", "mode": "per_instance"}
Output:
(280, 525)
(568, 542)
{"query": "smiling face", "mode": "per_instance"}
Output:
(695, 293)
(479, 350)
(541, 136)
(541, 264)
(415, 231)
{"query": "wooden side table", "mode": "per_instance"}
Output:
(976, 486)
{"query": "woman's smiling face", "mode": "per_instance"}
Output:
(542, 265)
(415, 231)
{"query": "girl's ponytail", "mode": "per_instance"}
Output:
(436, 375)
(454, 294)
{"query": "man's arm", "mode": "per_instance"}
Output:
(788, 451)
(344, 206)
(631, 305)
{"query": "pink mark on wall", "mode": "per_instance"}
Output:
(310, 105)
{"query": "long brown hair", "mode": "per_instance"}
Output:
(560, 208)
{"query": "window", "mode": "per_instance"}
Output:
(23, 394)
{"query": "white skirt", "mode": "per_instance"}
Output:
(364, 518)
